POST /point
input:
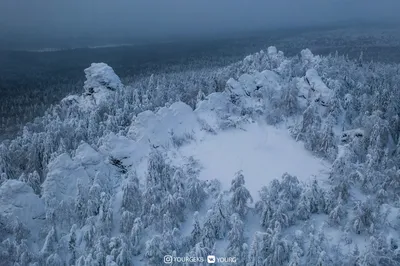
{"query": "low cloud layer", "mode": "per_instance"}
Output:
(163, 18)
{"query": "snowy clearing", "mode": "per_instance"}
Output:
(263, 152)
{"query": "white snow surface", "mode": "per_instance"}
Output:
(19, 202)
(62, 179)
(262, 151)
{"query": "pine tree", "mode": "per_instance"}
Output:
(327, 146)
(178, 182)
(209, 232)
(72, 245)
(50, 243)
(278, 249)
(303, 211)
(354, 256)
(34, 181)
(200, 97)
(105, 214)
(123, 256)
(295, 256)
(290, 190)
(127, 221)
(337, 215)
(310, 127)
(240, 195)
(200, 251)
(54, 260)
(258, 249)
(195, 235)
(167, 222)
(236, 238)
(136, 236)
(313, 249)
(154, 252)
(195, 193)
(316, 197)
(289, 101)
(80, 203)
(158, 171)
(93, 203)
(175, 205)
(131, 198)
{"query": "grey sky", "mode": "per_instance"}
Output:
(169, 17)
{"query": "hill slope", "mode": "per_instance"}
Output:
(125, 175)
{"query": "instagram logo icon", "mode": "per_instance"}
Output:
(168, 259)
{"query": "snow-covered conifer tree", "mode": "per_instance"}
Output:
(80, 203)
(240, 195)
(195, 193)
(132, 198)
(158, 171)
(136, 237)
(258, 249)
(127, 220)
(93, 203)
(236, 239)
(195, 235)
(154, 251)
(72, 245)
(295, 255)
(50, 243)
(54, 260)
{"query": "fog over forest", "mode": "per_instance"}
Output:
(46, 21)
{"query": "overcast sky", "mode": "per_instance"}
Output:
(171, 17)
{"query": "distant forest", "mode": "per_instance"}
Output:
(32, 81)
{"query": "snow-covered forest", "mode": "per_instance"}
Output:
(32, 81)
(272, 160)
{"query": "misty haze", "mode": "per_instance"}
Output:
(177, 132)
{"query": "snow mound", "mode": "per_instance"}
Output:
(211, 110)
(62, 179)
(263, 152)
(157, 128)
(18, 201)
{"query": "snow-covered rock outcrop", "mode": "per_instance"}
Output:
(320, 92)
(101, 84)
(62, 179)
(157, 128)
(100, 76)
(312, 88)
(100, 87)
(18, 203)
